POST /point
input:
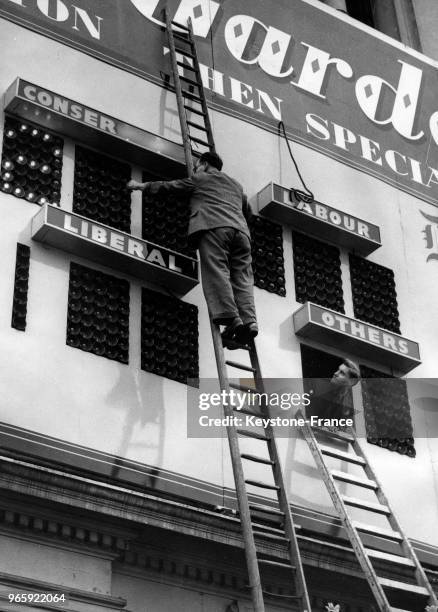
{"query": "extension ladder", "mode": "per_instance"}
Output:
(418, 592)
(190, 90)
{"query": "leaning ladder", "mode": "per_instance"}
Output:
(191, 99)
(419, 591)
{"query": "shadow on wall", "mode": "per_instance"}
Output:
(140, 397)
(169, 112)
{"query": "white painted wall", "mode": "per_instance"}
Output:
(54, 389)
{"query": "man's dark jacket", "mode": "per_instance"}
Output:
(216, 200)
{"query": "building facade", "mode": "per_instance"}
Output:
(109, 496)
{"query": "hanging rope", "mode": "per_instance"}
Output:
(301, 196)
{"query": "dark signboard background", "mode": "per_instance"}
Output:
(123, 33)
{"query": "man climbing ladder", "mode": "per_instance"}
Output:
(219, 212)
(219, 227)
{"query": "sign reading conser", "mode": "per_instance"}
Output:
(338, 88)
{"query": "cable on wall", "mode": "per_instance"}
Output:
(304, 196)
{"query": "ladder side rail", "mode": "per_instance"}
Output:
(239, 479)
(354, 538)
(289, 527)
(294, 551)
(204, 106)
(179, 96)
(405, 545)
(236, 461)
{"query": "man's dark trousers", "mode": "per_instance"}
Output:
(227, 277)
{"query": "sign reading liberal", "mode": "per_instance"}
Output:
(338, 88)
(115, 249)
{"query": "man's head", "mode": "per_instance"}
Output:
(347, 375)
(208, 160)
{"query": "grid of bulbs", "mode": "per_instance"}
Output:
(267, 255)
(98, 313)
(387, 412)
(100, 191)
(317, 268)
(31, 165)
(169, 337)
(166, 220)
(21, 285)
(374, 294)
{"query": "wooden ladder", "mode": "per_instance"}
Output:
(183, 55)
(418, 591)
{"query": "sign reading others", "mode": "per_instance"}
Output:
(357, 337)
(115, 249)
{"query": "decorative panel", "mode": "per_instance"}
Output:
(31, 164)
(387, 411)
(21, 284)
(374, 294)
(267, 255)
(98, 313)
(166, 220)
(317, 267)
(100, 191)
(169, 337)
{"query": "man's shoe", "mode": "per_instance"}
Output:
(230, 333)
(247, 333)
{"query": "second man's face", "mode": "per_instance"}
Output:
(342, 376)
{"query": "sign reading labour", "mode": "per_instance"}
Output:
(339, 89)
(321, 220)
(117, 250)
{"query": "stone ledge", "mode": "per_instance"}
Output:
(109, 502)
(23, 584)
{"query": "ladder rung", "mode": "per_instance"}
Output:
(267, 510)
(180, 25)
(277, 564)
(202, 128)
(253, 434)
(262, 485)
(257, 459)
(338, 435)
(365, 505)
(403, 586)
(398, 610)
(234, 364)
(268, 529)
(191, 96)
(184, 52)
(182, 36)
(271, 536)
(186, 66)
(338, 454)
(296, 597)
(187, 80)
(360, 482)
(200, 141)
(245, 388)
(249, 412)
(378, 531)
(195, 110)
(384, 556)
